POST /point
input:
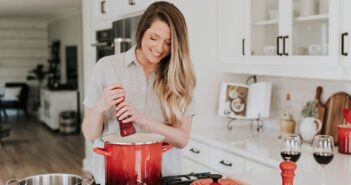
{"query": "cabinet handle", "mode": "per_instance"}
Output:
(225, 163)
(194, 151)
(243, 46)
(278, 47)
(131, 2)
(102, 8)
(343, 43)
(285, 53)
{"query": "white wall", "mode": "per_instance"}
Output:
(69, 31)
(23, 45)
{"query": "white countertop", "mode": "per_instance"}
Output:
(264, 148)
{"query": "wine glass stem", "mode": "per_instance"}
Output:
(324, 180)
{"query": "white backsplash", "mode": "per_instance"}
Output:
(301, 91)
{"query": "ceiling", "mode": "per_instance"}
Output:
(38, 8)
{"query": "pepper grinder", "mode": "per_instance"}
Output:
(125, 129)
(288, 172)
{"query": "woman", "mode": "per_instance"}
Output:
(157, 79)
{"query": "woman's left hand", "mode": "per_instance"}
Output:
(127, 113)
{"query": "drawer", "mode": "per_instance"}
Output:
(252, 167)
(226, 163)
(190, 166)
(197, 151)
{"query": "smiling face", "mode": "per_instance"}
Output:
(155, 44)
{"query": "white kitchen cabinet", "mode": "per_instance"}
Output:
(231, 30)
(190, 166)
(226, 163)
(345, 33)
(202, 157)
(281, 39)
(253, 167)
(107, 11)
(52, 103)
(128, 7)
(197, 151)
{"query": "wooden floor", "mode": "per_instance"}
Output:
(33, 149)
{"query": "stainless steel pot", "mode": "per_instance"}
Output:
(52, 179)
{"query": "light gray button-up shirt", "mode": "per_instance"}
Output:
(124, 69)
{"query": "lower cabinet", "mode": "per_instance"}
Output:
(200, 157)
(190, 166)
(52, 103)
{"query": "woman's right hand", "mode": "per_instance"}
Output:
(111, 96)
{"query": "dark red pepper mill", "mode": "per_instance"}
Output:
(288, 169)
(125, 129)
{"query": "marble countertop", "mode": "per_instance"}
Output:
(264, 148)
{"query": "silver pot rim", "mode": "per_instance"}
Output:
(46, 175)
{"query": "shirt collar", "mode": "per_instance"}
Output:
(130, 57)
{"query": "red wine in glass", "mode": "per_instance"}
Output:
(291, 147)
(289, 155)
(323, 158)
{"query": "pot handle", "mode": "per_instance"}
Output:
(166, 147)
(102, 151)
(11, 181)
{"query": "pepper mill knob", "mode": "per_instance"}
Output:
(288, 172)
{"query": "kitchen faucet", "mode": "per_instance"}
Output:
(258, 122)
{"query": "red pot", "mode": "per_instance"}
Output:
(133, 160)
(344, 139)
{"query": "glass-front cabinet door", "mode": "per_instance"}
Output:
(293, 29)
(264, 27)
(311, 28)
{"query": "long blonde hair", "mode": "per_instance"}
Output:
(175, 78)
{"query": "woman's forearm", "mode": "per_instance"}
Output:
(92, 123)
(177, 136)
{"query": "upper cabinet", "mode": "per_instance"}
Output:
(295, 38)
(107, 11)
(345, 37)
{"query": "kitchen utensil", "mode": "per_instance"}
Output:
(52, 179)
(344, 138)
(320, 106)
(125, 129)
(334, 113)
(288, 172)
(135, 159)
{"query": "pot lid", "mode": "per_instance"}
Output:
(134, 139)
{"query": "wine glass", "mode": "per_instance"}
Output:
(291, 147)
(323, 151)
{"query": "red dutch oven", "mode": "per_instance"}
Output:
(344, 138)
(133, 160)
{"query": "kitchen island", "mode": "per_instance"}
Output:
(263, 150)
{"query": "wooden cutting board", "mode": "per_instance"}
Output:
(320, 106)
(334, 116)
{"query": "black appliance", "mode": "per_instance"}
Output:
(188, 178)
(104, 45)
(124, 31)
